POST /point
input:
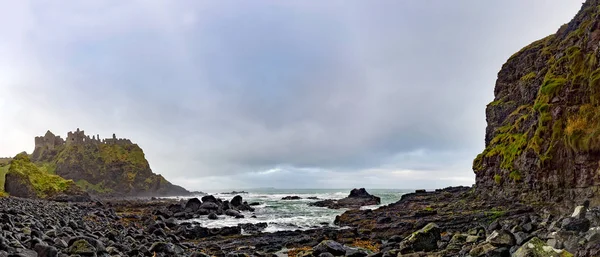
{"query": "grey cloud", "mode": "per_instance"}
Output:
(222, 91)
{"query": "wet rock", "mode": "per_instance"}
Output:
(236, 201)
(192, 204)
(234, 213)
(209, 206)
(356, 199)
(213, 216)
(329, 246)
(295, 197)
(209, 198)
(253, 228)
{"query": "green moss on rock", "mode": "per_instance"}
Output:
(34, 181)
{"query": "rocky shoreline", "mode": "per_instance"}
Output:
(447, 222)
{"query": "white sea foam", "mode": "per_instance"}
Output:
(291, 214)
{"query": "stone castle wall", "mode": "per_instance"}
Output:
(78, 137)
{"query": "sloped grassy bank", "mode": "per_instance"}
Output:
(25, 179)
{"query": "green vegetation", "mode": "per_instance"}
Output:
(44, 184)
(3, 171)
(545, 125)
(495, 213)
(552, 85)
(498, 179)
(515, 175)
(93, 188)
(528, 76)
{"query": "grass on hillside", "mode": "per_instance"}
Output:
(3, 171)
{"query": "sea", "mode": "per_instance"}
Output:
(283, 215)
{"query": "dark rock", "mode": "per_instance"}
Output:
(199, 254)
(501, 238)
(295, 197)
(209, 206)
(213, 216)
(329, 246)
(236, 201)
(45, 251)
(576, 224)
(253, 228)
(162, 247)
(356, 199)
(209, 198)
(234, 213)
(193, 204)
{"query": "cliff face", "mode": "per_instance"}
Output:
(543, 133)
(114, 167)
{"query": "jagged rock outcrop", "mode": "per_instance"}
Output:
(106, 167)
(543, 133)
(356, 199)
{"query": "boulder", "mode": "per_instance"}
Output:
(193, 204)
(233, 213)
(236, 201)
(209, 206)
(162, 247)
(213, 216)
(488, 250)
(209, 198)
(82, 247)
(501, 238)
(425, 239)
(356, 199)
(329, 246)
(575, 224)
(537, 248)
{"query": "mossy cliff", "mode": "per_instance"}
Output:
(110, 167)
(543, 133)
(25, 179)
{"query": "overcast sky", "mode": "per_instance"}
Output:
(285, 94)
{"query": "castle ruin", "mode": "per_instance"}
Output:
(78, 137)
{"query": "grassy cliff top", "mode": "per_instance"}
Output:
(43, 183)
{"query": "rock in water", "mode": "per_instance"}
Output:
(193, 204)
(356, 199)
(213, 216)
(236, 201)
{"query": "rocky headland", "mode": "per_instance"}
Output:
(111, 167)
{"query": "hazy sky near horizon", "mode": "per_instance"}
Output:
(286, 94)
